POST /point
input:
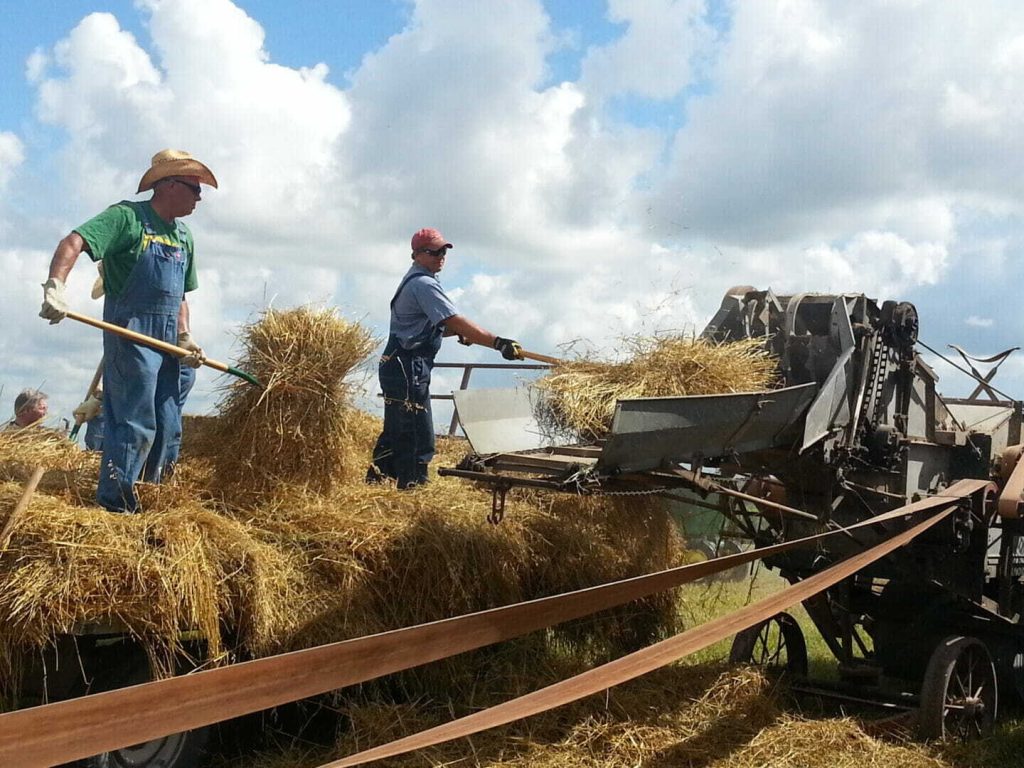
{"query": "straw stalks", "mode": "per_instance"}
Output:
(579, 396)
(294, 430)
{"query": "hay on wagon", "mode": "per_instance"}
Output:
(579, 395)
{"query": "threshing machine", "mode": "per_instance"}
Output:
(856, 429)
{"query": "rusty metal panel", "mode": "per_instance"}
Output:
(659, 432)
(831, 408)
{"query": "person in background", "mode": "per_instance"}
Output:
(421, 314)
(149, 265)
(30, 408)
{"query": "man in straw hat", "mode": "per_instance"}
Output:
(421, 314)
(149, 266)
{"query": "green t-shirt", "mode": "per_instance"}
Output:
(114, 236)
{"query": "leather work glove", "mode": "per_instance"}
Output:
(196, 357)
(509, 349)
(55, 304)
(87, 410)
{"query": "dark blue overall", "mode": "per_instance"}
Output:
(141, 387)
(186, 381)
(406, 445)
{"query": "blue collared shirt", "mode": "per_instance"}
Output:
(420, 307)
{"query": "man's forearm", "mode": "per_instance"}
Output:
(183, 318)
(64, 258)
(470, 331)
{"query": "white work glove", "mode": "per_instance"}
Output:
(87, 410)
(55, 305)
(196, 358)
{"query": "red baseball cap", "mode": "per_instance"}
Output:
(429, 239)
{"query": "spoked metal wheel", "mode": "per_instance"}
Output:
(959, 695)
(776, 644)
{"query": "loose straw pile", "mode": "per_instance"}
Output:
(580, 395)
(680, 715)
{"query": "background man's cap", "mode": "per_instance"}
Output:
(429, 239)
(174, 162)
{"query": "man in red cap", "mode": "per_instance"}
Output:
(421, 314)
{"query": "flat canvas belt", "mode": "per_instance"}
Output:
(69, 730)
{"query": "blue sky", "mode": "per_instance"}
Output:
(604, 168)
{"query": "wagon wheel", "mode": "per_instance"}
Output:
(178, 750)
(959, 695)
(776, 644)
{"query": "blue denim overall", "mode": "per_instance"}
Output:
(186, 381)
(141, 390)
(406, 445)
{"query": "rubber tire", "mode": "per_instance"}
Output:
(178, 750)
(750, 647)
(933, 721)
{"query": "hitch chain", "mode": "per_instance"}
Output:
(497, 513)
(644, 492)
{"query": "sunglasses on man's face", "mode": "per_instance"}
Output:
(196, 189)
(438, 254)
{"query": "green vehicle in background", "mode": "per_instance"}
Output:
(708, 529)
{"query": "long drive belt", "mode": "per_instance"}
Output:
(69, 730)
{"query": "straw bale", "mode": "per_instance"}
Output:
(67, 567)
(70, 471)
(404, 558)
(293, 431)
(305, 568)
(579, 395)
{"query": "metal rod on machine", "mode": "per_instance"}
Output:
(705, 483)
(764, 502)
(964, 370)
(487, 477)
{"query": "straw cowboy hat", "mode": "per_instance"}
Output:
(97, 287)
(174, 162)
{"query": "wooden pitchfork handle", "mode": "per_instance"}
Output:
(527, 355)
(541, 358)
(19, 510)
(163, 346)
